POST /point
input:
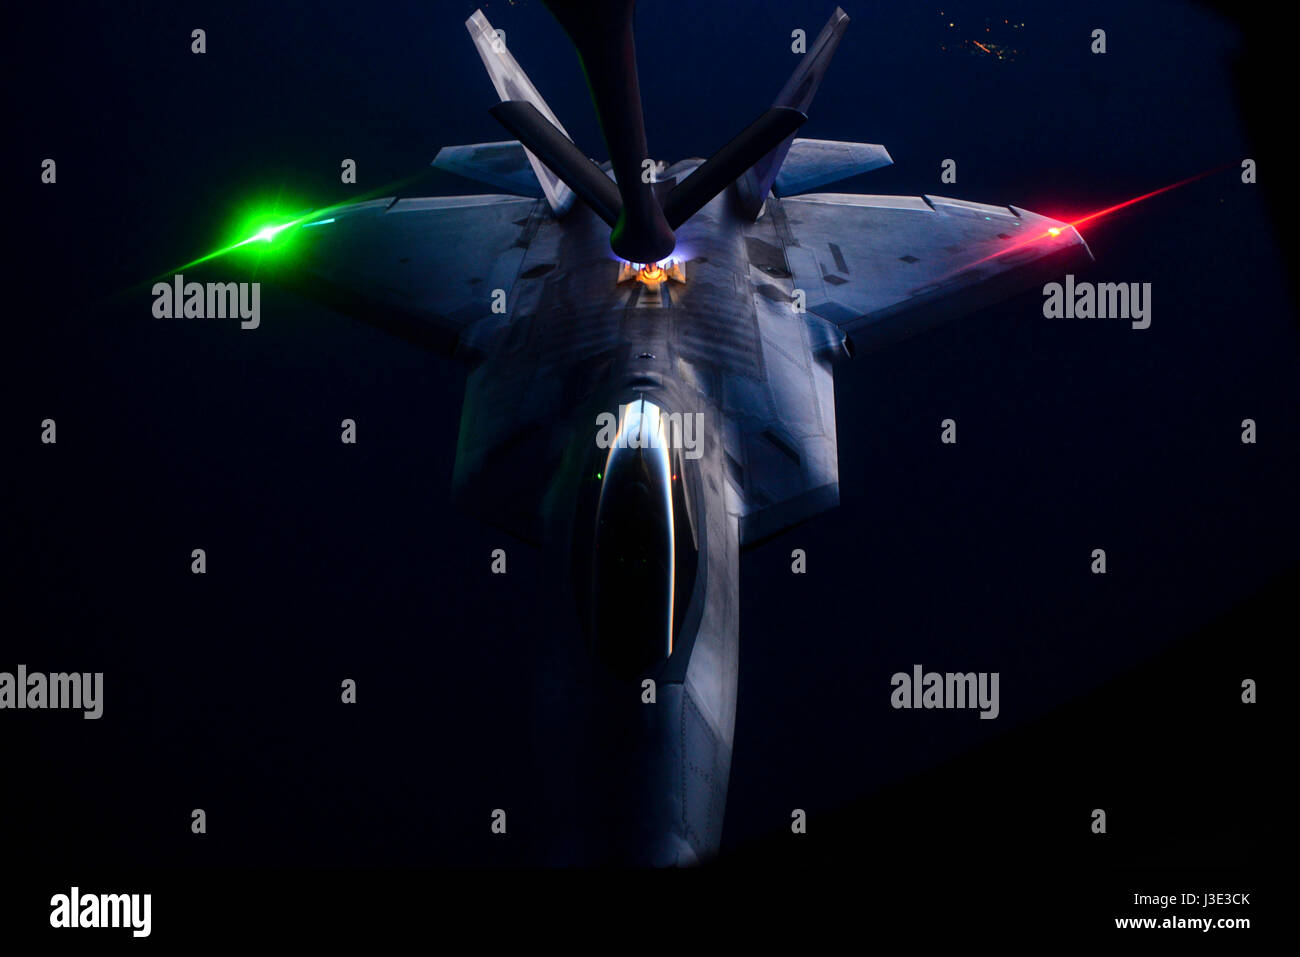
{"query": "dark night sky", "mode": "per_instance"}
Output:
(327, 562)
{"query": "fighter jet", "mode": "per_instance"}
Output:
(650, 351)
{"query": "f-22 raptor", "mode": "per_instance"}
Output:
(721, 292)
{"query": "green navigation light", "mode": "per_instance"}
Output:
(267, 234)
(260, 228)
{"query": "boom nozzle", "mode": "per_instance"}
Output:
(601, 32)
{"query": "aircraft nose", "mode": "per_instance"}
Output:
(631, 597)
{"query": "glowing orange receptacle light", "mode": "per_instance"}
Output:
(653, 274)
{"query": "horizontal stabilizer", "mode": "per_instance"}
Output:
(560, 156)
(502, 165)
(811, 164)
(729, 163)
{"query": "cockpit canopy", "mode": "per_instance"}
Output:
(633, 560)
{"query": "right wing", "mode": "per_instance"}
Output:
(883, 268)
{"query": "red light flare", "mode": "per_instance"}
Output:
(1054, 231)
(1137, 199)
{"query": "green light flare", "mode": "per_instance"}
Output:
(263, 227)
(267, 234)
(275, 217)
(264, 234)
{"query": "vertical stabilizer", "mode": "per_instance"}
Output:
(797, 94)
(512, 83)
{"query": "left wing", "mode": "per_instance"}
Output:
(424, 269)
